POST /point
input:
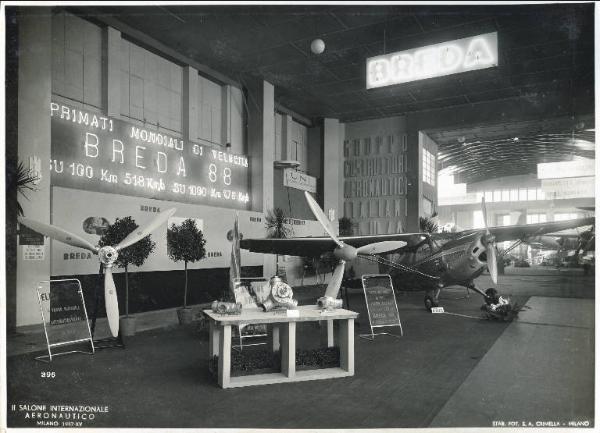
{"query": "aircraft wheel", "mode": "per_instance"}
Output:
(491, 296)
(430, 303)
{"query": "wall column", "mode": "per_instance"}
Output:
(333, 170)
(413, 182)
(261, 151)
(286, 137)
(35, 89)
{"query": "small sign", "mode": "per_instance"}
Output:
(437, 310)
(574, 187)
(297, 179)
(562, 169)
(381, 301)
(28, 236)
(33, 252)
(293, 313)
(64, 315)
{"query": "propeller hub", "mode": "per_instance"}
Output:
(345, 252)
(108, 255)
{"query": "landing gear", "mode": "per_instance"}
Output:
(430, 303)
(432, 299)
(491, 296)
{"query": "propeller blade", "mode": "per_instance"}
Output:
(141, 233)
(380, 247)
(58, 234)
(490, 246)
(484, 212)
(491, 262)
(320, 215)
(336, 280)
(112, 303)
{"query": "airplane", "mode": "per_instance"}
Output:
(107, 255)
(427, 261)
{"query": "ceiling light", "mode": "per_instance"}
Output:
(317, 46)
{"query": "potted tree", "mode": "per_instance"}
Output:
(346, 226)
(135, 254)
(277, 228)
(185, 242)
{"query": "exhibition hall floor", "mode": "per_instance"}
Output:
(448, 370)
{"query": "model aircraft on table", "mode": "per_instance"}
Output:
(107, 255)
(415, 261)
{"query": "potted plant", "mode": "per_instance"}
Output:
(277, 228)
(135, 254)
(346, 226)
(185, 242)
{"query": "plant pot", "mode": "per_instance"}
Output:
(127, 326)
(185, 316)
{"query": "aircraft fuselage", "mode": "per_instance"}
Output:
(453, 260)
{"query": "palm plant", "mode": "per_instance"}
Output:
(428, 224)
(22, 180)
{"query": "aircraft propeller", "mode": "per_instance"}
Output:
(107, 255)
(490, 246)
(345, 252)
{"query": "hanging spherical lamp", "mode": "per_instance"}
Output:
(317, 46)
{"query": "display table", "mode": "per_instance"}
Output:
(282, 335)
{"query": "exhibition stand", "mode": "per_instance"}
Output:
(282, 332)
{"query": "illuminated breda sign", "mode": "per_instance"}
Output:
(97, 153)
(468, 54)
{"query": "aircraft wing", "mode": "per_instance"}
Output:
(525, 231)
(315, 246)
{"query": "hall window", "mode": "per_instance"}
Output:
(503, 220)
(535, 218)
(428, 167)
(505, 195)
(151, 87)
(478, 222)
(541, 195)
(514, 195)
(210, 106)
(497, 195)
(77, 59)
(531, 194)
(489, 196)
(522, 194)
(565, 216)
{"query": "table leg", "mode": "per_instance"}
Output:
(225, 356)
(213, 343)
(347, 345)
(327, 332)
(288, 349)
(273, 333)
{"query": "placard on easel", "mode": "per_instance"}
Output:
(381, 303)
(64, 317)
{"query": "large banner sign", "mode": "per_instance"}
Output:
(97, 153)
(452, 57)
